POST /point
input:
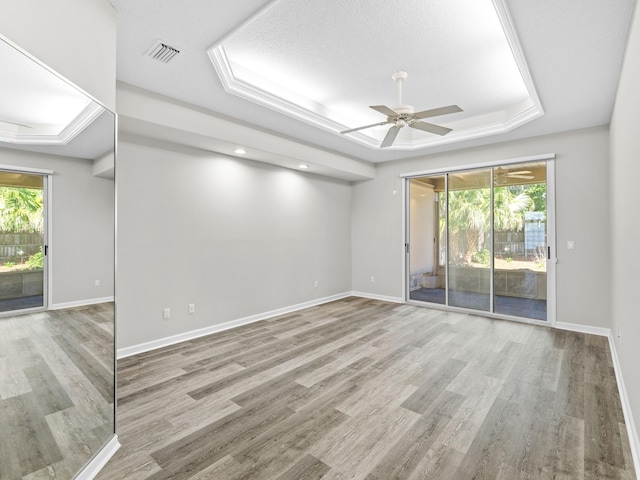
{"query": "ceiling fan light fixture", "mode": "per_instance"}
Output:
(402, 115)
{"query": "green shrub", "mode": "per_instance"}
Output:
(9, 264)
(483, 256)
(36, 261)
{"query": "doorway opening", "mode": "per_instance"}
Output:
(22, 241)
(480, 239)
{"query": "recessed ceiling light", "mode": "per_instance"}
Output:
(303, 166)
(240, 151)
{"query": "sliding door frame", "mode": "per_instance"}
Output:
(549, 158)
(47, 196)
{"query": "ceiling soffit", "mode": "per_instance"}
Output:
(325, 62)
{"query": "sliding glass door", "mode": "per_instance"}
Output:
(22, 241)
(520, 240)
(469, 234)
(477, 239)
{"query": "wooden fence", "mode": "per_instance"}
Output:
(15, 247)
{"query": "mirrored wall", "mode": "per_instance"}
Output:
(57, 218)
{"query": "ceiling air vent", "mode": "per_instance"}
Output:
(162, 52)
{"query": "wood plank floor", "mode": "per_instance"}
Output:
(363, 389)
(56, 390)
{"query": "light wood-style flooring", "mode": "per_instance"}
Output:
(56, 390)
(363, 389)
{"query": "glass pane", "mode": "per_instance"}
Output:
(469, 237)
(21, 241)
(520, 248)
(427, 252)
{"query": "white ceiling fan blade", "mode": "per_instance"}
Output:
(383, 109)
(362, 128)
(390, 137)
(437, 111)
(430, 127)
(525, 177)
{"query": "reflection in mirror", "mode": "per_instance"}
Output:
(57, 355)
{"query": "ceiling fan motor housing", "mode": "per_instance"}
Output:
(403, 109)
(400, 76)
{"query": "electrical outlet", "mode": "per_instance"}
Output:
(373, 279)
(97, 283)
(166, 313)
(192, 308)
(315, 284)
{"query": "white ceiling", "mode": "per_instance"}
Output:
(36, 106)
(344, 59)
(41, 112)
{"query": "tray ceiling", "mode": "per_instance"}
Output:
(342, 54)
(320, 62)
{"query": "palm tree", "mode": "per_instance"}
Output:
(509, 208)
(20, 209)
(468, 222)
(470, 216)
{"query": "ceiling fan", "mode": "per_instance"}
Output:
(402, 115)
(501, 177)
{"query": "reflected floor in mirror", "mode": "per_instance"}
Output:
(56, 402)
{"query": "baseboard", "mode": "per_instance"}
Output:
(574, 327)
(96, 464)
(632, 432)
(373, 296)
(182, 337)
(80, 303)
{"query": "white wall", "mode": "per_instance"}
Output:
(625, 227)
(76, 38)
(234, 237)
(82, 248)
(582, 207)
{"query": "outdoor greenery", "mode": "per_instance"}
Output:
(483, 257)
(20, 209)
(35, 261)
(537, 193)
(469, 217)
(21, 213)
